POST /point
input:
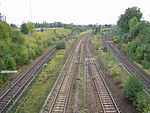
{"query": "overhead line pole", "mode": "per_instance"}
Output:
(31, 10)
(29, 34)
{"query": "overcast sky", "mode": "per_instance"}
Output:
(70, 11)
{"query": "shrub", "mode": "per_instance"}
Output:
(132, 87)
(42, 30)
(10, 62)
(115, 71)
(24, 28)
(120, 80)
(105, 49)
(143, 102)
(97, 47)
(60, 45)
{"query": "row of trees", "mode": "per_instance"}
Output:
(14, 45)
(66, 26)
(13, 51)
(133, 36)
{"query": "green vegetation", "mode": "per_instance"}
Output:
(14, 46)
(24, 28)
(143, 101)
(108, 59)
(124, 19)
(134, 91)
(133, 36)
(75, 28)
(132, 87)
(60, 45)
(33, 98)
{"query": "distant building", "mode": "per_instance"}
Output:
(97, 29)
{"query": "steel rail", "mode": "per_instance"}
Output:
(25, 80)
(129, 66)
(96, 81)
(60, 82)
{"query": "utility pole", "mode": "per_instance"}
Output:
(29, 34)
(30, 57)
(109, 51)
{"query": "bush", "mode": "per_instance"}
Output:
(97, 47)
(105, 49)
(132, 87)
(60, 45)
(24, 28)
(143, 102)
(115, 71)
(10, 63)
(42, 30)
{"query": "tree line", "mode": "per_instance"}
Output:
(133, 36)
(14, 45)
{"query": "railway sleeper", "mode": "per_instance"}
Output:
(2, 106)
(106, 103)
(105, 96)
(58, 108)
(6, 99)
(111, 111)
(59, 105)
(61, 96)
(109, 107)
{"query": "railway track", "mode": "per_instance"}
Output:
(58, 99)
(129, 66)
(106, 102)
(78, 77)
(11, 94)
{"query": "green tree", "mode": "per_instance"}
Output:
(132, 22)
(16, 37)
(4, 30)
(2, 64)
(13, 25)
(10, 62)
(129, 14)
(30, 27)
(140, 28)
(24, 28)
(61, 45)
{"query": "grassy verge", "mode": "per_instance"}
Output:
(139, 65)
(109, 60)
